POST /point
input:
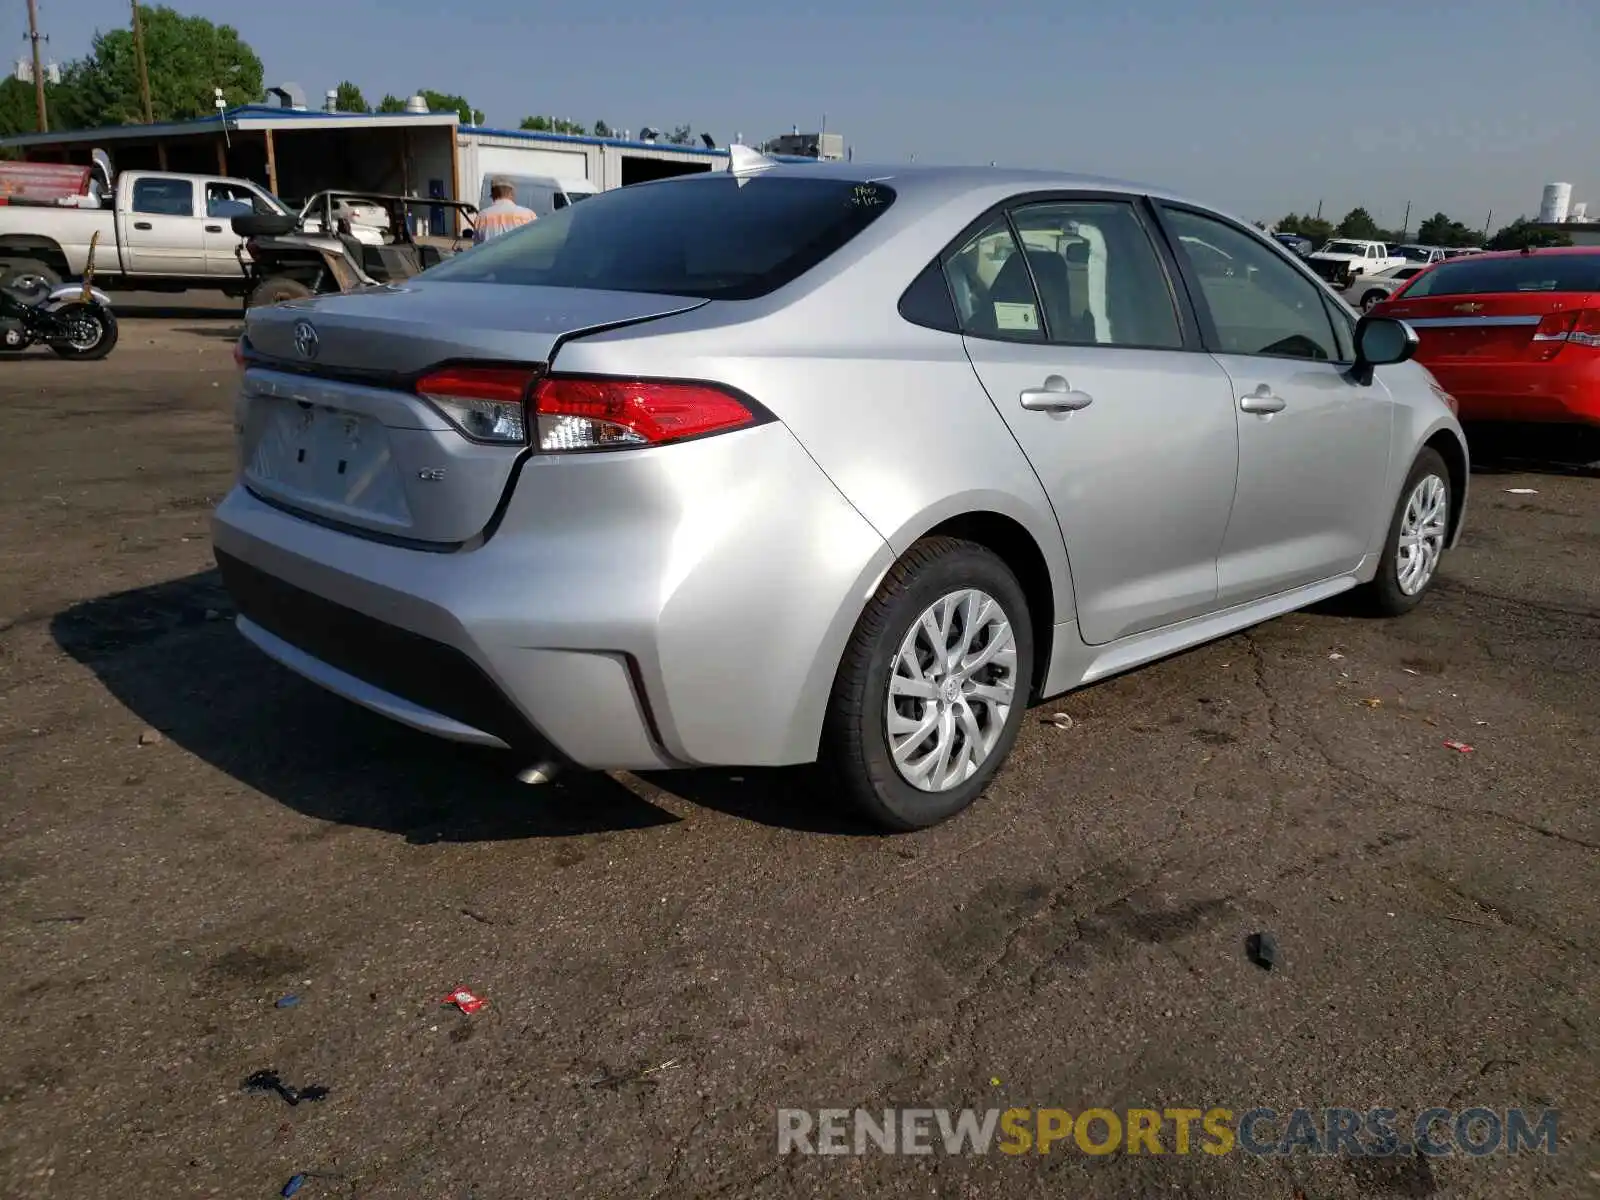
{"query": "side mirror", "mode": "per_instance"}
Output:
(1381, 341)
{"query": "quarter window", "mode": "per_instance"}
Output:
(993, 292)
(1257, 302)
(164, 197)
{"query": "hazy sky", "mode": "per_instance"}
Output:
(1256, 107)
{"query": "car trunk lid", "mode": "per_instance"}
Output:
(330, 425)
(1491, 326)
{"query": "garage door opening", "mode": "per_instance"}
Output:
(643, 170)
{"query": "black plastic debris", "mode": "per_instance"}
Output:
(270, 1081)
(1263, 950)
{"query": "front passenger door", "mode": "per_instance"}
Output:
(1313, 445)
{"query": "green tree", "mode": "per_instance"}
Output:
(552, 125)
(1440, 230)
(351, 100)
(1358, 223)
(601, 129)
(391, 104)
(1314, 229)
(187, 58)
(1522, 233)
(446, 102)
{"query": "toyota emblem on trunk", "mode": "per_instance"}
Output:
(305, 339)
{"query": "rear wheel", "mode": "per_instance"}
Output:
(1416, 541)
(277, 290)
(27, 276)
(91, 333)
(932, 688)
(1372, 299)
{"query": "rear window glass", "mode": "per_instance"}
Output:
(717, 237)
(1525, 273)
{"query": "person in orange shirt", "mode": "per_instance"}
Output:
(503, 214)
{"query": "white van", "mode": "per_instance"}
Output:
(544, 194)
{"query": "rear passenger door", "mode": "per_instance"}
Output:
(161, 231)
(1072, 321)
(1313, 445)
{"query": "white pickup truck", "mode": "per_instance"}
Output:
(1342, 259)
(159, 232)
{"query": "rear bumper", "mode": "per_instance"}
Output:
(1547, 392)
(680, 606)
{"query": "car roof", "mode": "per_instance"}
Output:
(1538, 250)
(960, 180)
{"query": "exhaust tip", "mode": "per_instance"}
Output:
(541, 772)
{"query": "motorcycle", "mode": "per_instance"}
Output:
(74, 319)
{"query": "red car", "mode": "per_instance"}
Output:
(1513, 336)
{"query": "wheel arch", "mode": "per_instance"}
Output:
(36, 246)
(1453, 450)
(1011, 541)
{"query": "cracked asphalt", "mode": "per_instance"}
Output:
(188, 833)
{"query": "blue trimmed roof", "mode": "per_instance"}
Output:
(584, 139)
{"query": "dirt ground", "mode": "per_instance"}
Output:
(188, 833)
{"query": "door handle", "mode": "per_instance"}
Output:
(1262, 401)
(213, 228)
(1055, 396)
(142, 225)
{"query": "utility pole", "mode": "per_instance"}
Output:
(38, 66)
(1319, 210)
(1486, 221)
(144, 72)
(1405, 225)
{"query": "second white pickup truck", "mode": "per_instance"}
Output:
(1342, 259)
(159, 232)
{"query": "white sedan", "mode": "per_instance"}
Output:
(1366, 290)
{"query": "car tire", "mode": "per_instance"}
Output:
(277, 290)
(28, 276)
(1395, 590)
(1372, 299)
(936, 575)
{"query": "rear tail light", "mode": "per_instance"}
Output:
(605, 414)
(1581, 328)
(487, 404)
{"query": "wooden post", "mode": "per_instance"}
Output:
(144, 70)
(222, 157)
(272, 165)
(38, 67)
(455, 179)
(161, 155)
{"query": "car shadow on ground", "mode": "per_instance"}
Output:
(171, 655)
(1506, 449)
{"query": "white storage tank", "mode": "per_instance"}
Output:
(1553, 207)
(1579, 212)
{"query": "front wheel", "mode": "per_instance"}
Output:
(1417, 537)
(91, 333)
(1372, 299)
(932, 688)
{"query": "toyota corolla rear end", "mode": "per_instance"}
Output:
(1513, 337)
(436, 520)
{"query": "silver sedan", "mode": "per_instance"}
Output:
(819, 461)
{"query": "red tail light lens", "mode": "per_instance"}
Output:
(485, 403)
(604, 414)
(1586, 329)
(1581, 328)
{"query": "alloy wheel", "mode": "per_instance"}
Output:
(951, 690)
(1422, 534)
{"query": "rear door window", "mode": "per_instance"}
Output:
(993, 290)
(164, 197)
(719, 237)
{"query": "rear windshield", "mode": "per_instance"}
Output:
(1525, 273)
(1351, 248)
(717, 237)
